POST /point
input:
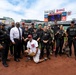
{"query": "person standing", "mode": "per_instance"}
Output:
(25, 36)
(35, 35)
(0, 40)
(39, 33)
(11, 45)
(59, 41)
(23, 26)
(16, 38)
(5, 41)
(31, 29)
(23, 29)
(50, 30)
(46, 38)
(71, 34)
(55, 29)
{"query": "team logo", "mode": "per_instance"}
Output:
(32, 45)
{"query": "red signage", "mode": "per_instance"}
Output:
(60, 10)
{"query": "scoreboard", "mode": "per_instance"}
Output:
(54, 17)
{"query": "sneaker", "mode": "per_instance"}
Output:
(49, 57)
(27, 59)
(45, 58)
(17, 60)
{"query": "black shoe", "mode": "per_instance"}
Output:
(0, 59)
(8, 60)
(20, 57)
(60, 54)
(41, 57)
(75, 57)
(17, 60)
(5, 65)
(67, 55)
(49, 57)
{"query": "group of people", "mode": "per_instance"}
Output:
(33, 42)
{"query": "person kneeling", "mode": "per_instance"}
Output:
(33, 50)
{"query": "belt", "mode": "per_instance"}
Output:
(16, 39)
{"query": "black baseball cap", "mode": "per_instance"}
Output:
(72, 22)
(32, 23)
(2, 24)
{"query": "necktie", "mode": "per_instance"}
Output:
(19, 34)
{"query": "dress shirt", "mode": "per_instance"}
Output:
(14, 33)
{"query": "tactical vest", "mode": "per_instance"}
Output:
(72, 31)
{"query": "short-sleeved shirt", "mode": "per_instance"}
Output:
(32, 45)
(71, 31)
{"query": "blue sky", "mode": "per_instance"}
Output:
(34, 9)
(27, 2)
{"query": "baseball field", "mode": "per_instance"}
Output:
(55, 66)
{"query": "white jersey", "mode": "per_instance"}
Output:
(33, 45)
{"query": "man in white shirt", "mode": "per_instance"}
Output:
(32, 48)
(16, 37)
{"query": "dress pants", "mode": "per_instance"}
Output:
(5, 51)
(17, 49)
(45, 45)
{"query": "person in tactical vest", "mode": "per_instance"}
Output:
(5, 41)
(31, 29)
(59, 41)
(71, 34)
(0, 41)
(25, 36)
(35, 35)
(39, 32)
(50, 30)
(55, 29)
(45, 42)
